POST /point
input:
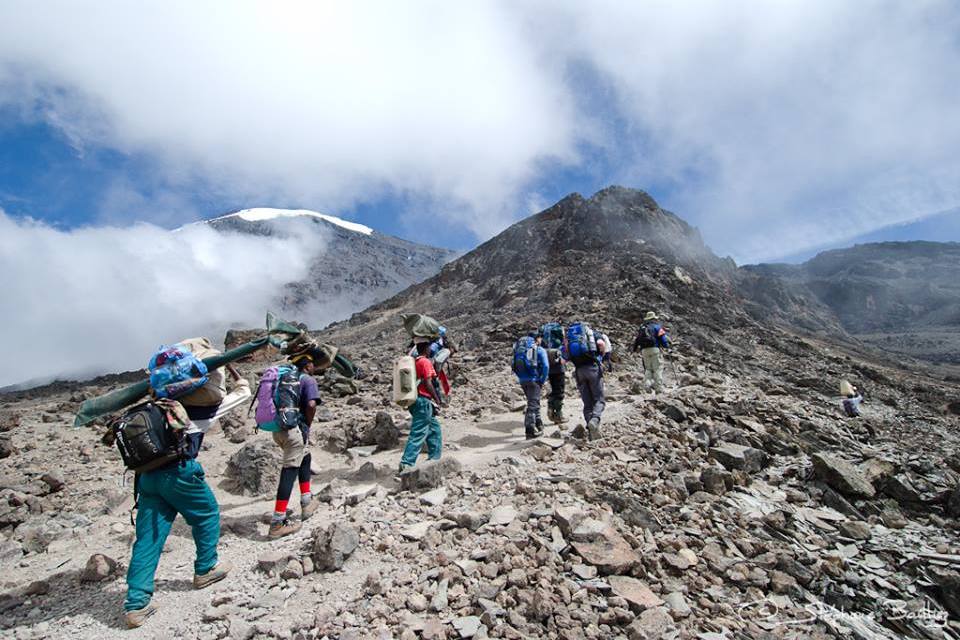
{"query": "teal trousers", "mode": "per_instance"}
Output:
(163, 494)
(424, 426)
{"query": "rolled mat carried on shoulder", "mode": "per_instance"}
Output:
(278, 330)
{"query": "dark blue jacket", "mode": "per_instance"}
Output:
(543, 371)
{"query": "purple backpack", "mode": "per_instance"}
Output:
(278, 399)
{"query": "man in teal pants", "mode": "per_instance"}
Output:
(177, 488)
(424, 425)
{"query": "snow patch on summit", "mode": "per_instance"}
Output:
(264, 213)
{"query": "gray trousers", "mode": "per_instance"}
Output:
(590, 385)
(532, 417)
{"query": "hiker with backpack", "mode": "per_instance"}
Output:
(160, 441)
(606, 357)
(287, 401)
(532, 368)
(552, 339)
(651, 338)
(581, 350)
(424, 426)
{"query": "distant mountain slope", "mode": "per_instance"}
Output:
(357, 266)
(902, 296)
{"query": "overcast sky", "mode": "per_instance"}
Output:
(776, 126)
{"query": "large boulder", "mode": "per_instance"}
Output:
(332, 546)
(254, 469)
(384, 433)
(428, 475)
(735, 457)
(99, 568)
(841, 475)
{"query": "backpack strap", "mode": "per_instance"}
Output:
(136, 496)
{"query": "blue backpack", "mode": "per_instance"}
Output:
(175, 372)
(552, 333)
(525, 360)
(581, 343)
(278, 399)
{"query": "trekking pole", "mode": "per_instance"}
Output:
(676, 378)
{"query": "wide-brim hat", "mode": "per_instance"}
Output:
(651, 315)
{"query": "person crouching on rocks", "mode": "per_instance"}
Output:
(424, 426)
(293, 443)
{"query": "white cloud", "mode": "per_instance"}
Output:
(772, 125)
(306, 101)
(92, 300)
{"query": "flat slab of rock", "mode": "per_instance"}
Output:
(610, 554)
(359, 494)
(737, 457)
(428, 475)
(434, 498)
(502, 515)
(636, 592)
(467, 626)
(416, 531)
(842, 476)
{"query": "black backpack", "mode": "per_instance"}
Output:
(647, 337)
(145, 439)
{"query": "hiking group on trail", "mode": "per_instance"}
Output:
(161, 438)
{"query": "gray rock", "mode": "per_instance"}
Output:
(677, 605)
(254, 469)
(468, 626)
(652, 624)
(54, 479)
(429, 475)
(333, 545)
(10, 553)
(384, 433)
(841, 475)
(738, 457)
(293, 570)
(98, 568)
(271, 561)
(716, 480)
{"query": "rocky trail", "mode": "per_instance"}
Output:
(740, 503)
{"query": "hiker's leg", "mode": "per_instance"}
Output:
(557, 384)
(420, 414)
(530, 415)
(647, 356)
(154, 518)
(434, 437)
(596, 391)
(537, 394)
(291, 446)
(584, 388)
(303, 474)
(657, 371)
(191, 496)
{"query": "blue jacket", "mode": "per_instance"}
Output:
(543, 370)
(663, 341)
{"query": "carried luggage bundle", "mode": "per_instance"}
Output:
(405, 381)
(150, 435)
(581, 343)
(176, 372)
(214, 390)
(421, 326)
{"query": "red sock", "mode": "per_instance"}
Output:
(305, 487)
(281, 506)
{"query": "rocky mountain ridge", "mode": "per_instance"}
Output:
(903, 297)
(740, 503)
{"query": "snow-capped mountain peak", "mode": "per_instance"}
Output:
(265, 213)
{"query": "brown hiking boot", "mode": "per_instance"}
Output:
(137, 617)
(218, 573)
(309, 509)
(284, 528)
